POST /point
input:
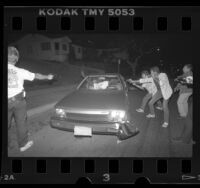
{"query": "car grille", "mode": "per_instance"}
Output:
(88, 117)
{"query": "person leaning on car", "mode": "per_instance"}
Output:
(16, 96)
(164, 91)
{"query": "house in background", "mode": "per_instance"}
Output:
(78, 51)
(36, 46)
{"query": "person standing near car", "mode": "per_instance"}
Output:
(16, 97)
(164, 91)
(151, 89)
(185, 91)
(186, 134)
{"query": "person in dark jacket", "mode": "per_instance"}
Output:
(184, 90)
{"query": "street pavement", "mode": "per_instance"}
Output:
(152, 141)
(47, 96)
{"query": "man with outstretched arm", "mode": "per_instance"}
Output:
(16, 97)
(149, 87)
(164, 91)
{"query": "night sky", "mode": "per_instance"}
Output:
(176, 49)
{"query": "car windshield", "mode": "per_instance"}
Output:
(102, 83)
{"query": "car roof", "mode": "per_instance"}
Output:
(106, 75)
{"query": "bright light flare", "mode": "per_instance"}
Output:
(117, 115)
(60, 112)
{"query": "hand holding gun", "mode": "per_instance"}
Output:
(188, 81)
(135, 83)
(44, 77)
(184, 81)
(50, 77)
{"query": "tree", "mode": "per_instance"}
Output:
(136, 50)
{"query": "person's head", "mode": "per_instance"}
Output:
(155, 71)
(145, 74)
(187, 68)
(13, 55)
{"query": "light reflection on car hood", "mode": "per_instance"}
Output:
(104, 100)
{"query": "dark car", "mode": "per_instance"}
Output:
(99, 105)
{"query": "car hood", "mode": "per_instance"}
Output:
(94, 100)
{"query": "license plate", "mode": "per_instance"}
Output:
(82, 131)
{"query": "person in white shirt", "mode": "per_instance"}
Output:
(164, 91)
(16, 97)
(151, 89)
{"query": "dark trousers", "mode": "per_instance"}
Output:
(17, 110)
(146, 99)
(187, 130)
(154, 99)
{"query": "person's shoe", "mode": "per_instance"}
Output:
(165, 124)
(159, 108)
(27, 146)
(140, 110)
(150, 116)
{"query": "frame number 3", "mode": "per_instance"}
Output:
(106, 177)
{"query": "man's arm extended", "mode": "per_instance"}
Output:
(135, 83)
(146, 80)
(180, 77)
(140, 87)
(43, 77)
(140, 81)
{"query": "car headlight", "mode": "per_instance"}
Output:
(117, 115)
(60, 112)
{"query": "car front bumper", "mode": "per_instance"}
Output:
(97, 128)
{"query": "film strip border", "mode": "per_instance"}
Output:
(90, 166)
(115, 24)
(160, 19)
(101, 170)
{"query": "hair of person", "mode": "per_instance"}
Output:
(145, 72)
(189, 66)
(13, 51)
(155, 69)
